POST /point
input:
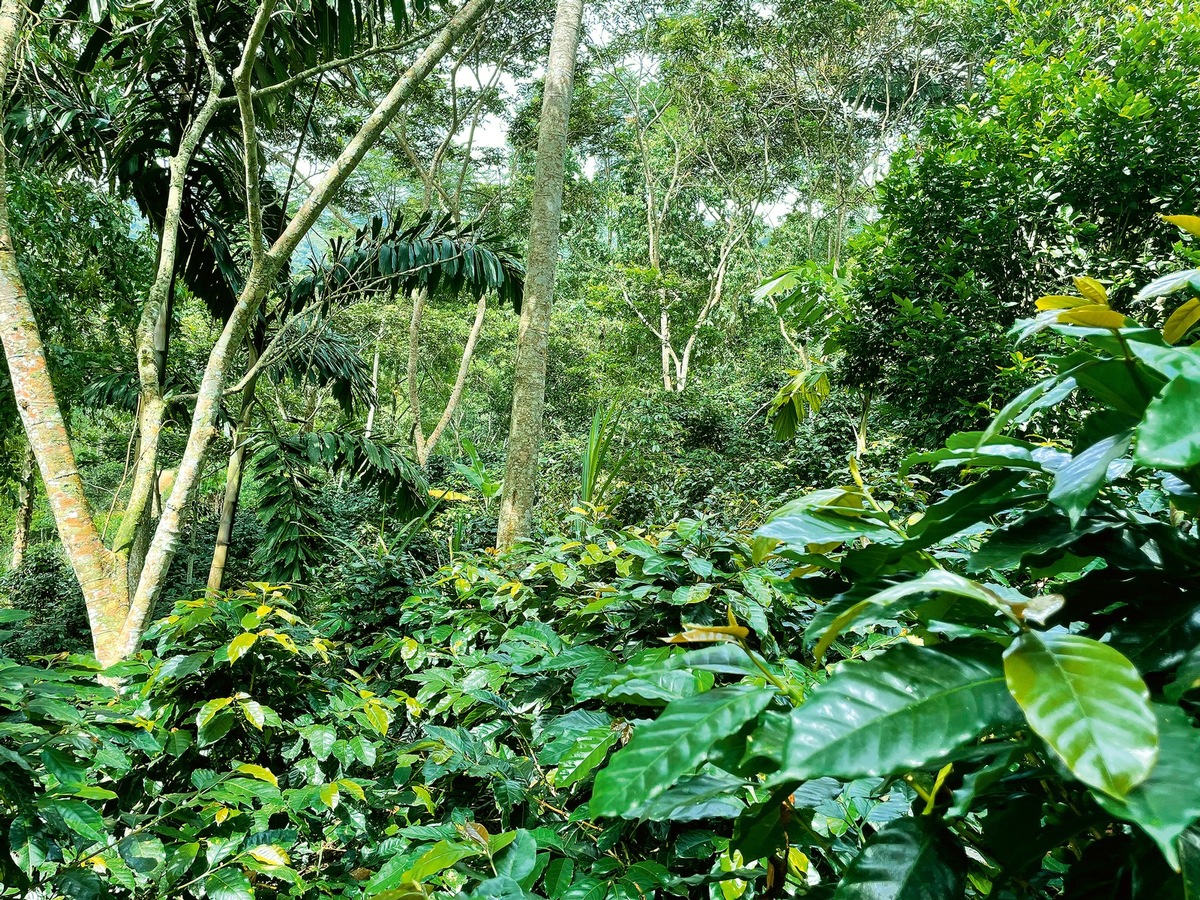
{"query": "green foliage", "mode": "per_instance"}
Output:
(1083, 130)
(1045, 700)
(45, 589)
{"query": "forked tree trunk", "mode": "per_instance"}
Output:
(425, 446)
(118, 615)
(529, 382)
(26, 492)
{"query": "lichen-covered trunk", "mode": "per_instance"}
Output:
(26, 492)
(529, 381)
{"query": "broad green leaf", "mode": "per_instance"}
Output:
(832, 516)
(209, 710)
(696, 797)
(80, 818)
(240, 645)
(558, 875)
(520, 857)
(320, 740)
(1167, 284)
(585, 754)
(438, 858)
(228, 884)
(1167, 436)
(907, 595)
(1087, 702)
(898, 711)
(670, 747)
(254, 713)
(906, 860)
(1078, 482)
(1168, 802)
(378, 717)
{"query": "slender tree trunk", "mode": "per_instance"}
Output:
(26, 493)
(460, 383)
(262, 276)
(100, 573)
(529, 383)
(370, 426)
(233, 482)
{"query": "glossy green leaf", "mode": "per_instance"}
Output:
(1168, 437)
(1078, 482)
(670, 747)
(1087, 702)
(896, 712)
(1167, 802)
(585, 754)
(80, 818)
(907, 595)
(909, 859)
(228, 884)
(438, 858)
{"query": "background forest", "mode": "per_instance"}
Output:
(862, 555)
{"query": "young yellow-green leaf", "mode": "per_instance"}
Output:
(378, 717)
(585, 754)
(353, 788)
(254, 713)
(1060, 301)
(896, 712)
(330, 795)
(1190, 224)
(1087, 702)
(210, 709)
(908, 859)
(239, 645)
(260, 772)
(1181, 321)
(1091, 289)
(270, 855)
(670, 747)
(1167, 436)
(1094, 316)
(438, 858)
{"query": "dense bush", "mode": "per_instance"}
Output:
(44, 588)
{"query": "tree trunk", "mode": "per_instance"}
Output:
(529, 382)
(26, 492)
(426, 447)
(233, 481)
(100, 573)
(260, 280)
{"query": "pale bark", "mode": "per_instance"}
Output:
(26, 494)
(262, 276)
(426, 446)
(100, 575)
(533, 338)
(117, 621)
(233, 482)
